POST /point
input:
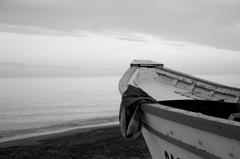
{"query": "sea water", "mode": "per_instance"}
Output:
(29, 105)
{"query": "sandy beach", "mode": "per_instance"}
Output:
(103, 142)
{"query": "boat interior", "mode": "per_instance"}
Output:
(218, 109)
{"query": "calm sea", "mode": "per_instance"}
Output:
(29, 105)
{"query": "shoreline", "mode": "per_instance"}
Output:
(33, 138)
(57, 127)
(102, 141)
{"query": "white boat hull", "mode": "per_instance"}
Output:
(185, 135)
(172, 133)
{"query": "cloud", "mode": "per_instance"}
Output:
(29, 29)
(40, 30)
(176, 44)
(106, 52)
(214, 23)
(128, 36)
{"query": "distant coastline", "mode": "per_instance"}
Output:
(11, 69)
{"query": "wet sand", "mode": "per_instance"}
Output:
(102, 142)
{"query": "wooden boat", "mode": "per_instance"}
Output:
(171, 130)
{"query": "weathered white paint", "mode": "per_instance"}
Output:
(158, 147)
(165, 84)
(213, 144)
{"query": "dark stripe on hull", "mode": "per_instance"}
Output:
(222, 129)
(181, 144)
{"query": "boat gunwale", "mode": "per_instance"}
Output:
(213, 87)
(219, 126)
(223, 86)
(133, 67)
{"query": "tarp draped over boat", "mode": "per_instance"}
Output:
(130, 115)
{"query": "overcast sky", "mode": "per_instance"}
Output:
(195, 36)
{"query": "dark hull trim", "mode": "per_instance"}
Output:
(219, 128)
(181, 144)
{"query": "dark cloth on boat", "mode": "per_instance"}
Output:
(130, 115)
